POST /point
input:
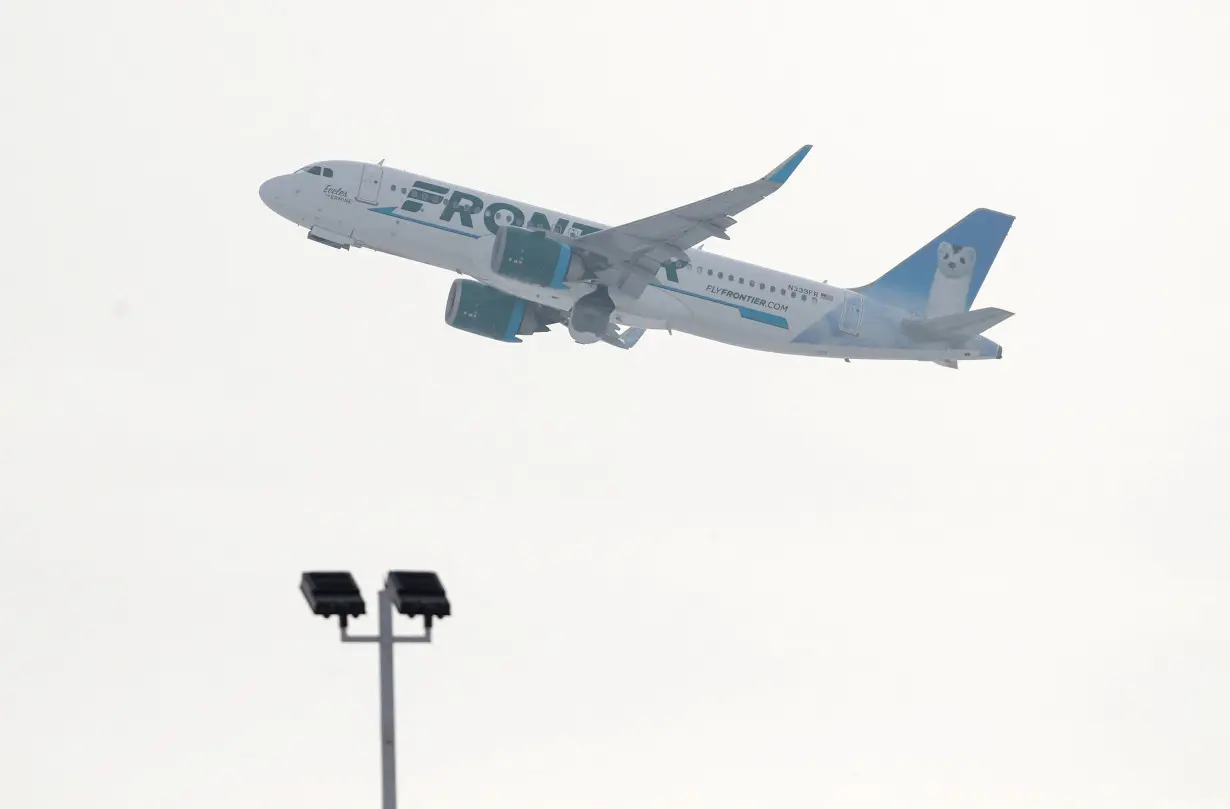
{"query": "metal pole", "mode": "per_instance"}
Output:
(388, 746)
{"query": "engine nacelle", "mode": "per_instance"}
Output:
(488, 312)
(533, 257)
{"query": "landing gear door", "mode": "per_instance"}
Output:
(852, 313)
(369, 186)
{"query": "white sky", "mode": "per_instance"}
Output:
(683, 576)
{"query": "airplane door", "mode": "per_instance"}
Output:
(851, 313)
(369, 186)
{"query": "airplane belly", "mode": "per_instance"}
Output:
(411, 240)
(738, 326)
(655, 308)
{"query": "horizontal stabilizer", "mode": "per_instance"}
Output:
(955, 327)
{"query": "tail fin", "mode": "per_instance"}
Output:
(944, 276)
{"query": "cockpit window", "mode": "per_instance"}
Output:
(314, 170)
(328, 171)
(317, 170)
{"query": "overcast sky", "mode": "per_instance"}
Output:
(688, 575)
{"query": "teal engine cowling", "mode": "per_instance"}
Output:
(533, 257)
(488, 312)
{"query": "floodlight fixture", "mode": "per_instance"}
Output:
(333, 593)
(417, 593)
(413, 593)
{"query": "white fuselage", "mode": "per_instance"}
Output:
(714, 297)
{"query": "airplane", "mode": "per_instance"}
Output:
(527, 268)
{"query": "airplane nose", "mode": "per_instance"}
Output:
(268, 192)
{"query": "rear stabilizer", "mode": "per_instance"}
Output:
(955, 328)
(943, 276)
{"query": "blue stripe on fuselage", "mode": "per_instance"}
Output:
(391, 211)
(744, 312)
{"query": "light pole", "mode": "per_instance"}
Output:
(412, 593)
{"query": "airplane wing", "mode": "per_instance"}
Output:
(627, 257)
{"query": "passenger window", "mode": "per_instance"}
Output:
(328, 172)
(403, 189)
(314, 170)
(719, 275)
(792, 295)
(762, 286)
(710, 272)
(740, 280)
(772, 289)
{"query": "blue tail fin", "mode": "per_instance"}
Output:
(944, 276)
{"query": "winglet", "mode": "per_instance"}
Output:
(782, 173)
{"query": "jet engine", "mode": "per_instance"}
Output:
(531, 256)
(488, 312)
